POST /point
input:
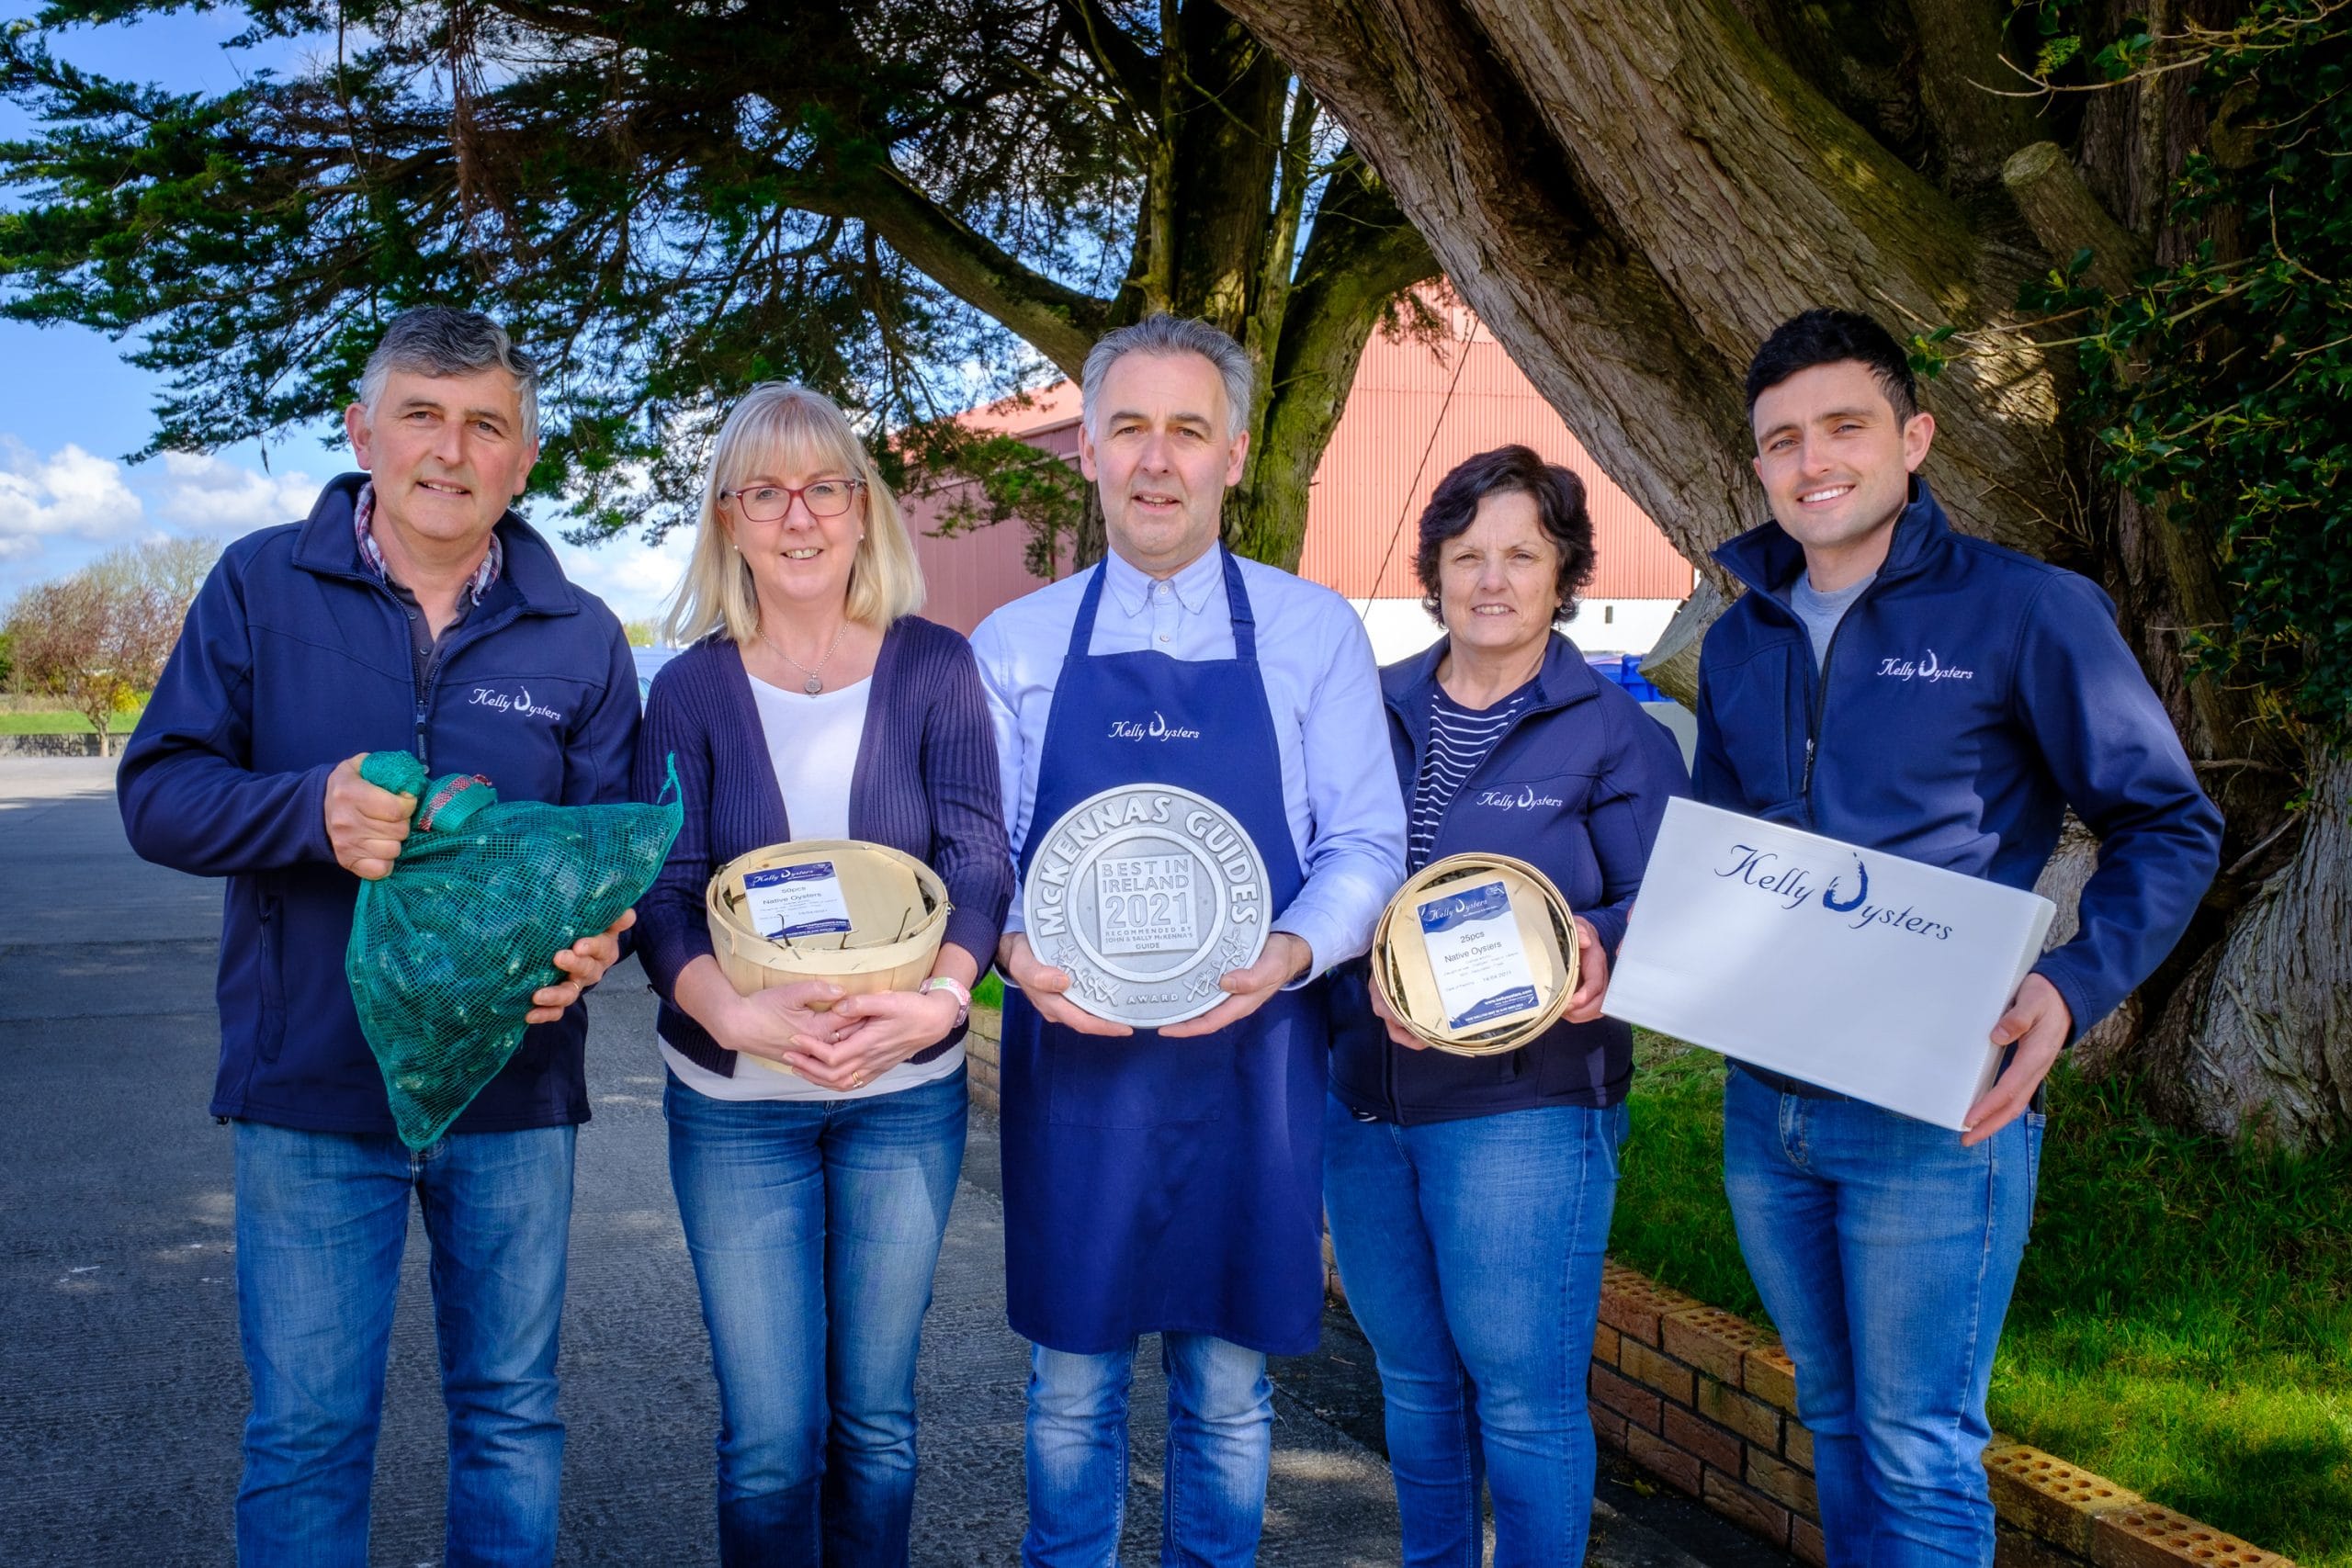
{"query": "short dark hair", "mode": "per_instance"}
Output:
(1560, 509)
(1826, 338)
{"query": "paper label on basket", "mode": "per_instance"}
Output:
(1148, 903)
(1475, 954)
(796, 900)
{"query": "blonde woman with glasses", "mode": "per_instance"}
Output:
(814, 1154)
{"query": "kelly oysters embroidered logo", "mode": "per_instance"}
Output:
(1526, 799)
(1795, 887)
(1158, 729)
(1928, 669)
(518, 704)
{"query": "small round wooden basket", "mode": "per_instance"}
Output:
(898, 916)
(1408, 983)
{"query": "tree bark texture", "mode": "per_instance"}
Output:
(1632, 196)
(2260, 1037)
(1231, 135)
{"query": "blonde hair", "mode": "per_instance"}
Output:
(780, 425)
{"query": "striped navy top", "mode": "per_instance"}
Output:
(1460, 738)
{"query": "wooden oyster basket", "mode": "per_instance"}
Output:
(1402, 970)
(898, 916)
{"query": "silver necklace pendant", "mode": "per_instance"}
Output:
(815, 684)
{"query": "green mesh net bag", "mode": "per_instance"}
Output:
(447, 950)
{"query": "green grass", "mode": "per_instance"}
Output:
(989, 992)
(2183, 1323)
(44, 721)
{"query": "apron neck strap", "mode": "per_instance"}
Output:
(1237, 600)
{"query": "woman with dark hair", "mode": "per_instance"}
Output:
(1469, 1197)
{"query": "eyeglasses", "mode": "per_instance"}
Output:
(768, 503)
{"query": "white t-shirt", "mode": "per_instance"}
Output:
(812, 745)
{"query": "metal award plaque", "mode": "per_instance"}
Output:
(1147, 895)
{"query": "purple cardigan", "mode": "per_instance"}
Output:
(926, 782)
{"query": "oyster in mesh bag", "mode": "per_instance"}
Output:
(447, 950)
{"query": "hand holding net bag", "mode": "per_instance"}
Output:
(446, 951)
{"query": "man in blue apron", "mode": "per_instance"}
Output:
(1165, 1181)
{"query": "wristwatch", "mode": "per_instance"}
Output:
(953, 989)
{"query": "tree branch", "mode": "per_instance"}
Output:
(1361, 254)
(1057, 321)
(1125, 63)
(1976, 128)
(2067, 218)
(1633, 199)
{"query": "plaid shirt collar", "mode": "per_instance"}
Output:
(363, 528)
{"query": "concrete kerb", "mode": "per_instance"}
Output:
(1706, 1402)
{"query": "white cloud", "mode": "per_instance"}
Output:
(59, 511)
(70, 495)
(633, 577)
(201, 493)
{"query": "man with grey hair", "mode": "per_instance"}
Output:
(1168, 1180)
(413, 610)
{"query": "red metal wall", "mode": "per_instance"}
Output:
(1414, 412)
(1401, 422)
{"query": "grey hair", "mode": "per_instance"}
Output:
(1166, 335)
(436, 340)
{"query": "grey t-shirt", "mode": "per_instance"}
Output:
(1821, 611)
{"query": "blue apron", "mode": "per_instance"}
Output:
(1156, 1185)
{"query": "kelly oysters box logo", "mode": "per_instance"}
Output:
(1156, 729)
(519, 704)
(1744, 941)
(1794, 886)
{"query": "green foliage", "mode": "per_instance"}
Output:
(670, 204)
(986, 479)
(1928, 354)
(2182, 1322)
(98, 640)
(2220, 388)
(905, 204)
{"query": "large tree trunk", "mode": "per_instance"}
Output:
(1211, 244)
(1632, 196)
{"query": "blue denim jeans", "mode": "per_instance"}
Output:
(815, 1226)
(1885, 1253)
(1471, 1251)
(321, 1219)
(1220, 1446)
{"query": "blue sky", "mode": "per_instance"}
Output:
(71, 409)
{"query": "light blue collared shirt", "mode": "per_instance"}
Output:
(1346, 812)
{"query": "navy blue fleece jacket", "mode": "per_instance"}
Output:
(1968, 699)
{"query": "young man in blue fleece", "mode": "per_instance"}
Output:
(1890, 682)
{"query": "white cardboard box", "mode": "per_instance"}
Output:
(1850, 968)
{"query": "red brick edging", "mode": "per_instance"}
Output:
(1707, 1402)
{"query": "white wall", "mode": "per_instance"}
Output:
(1400, 627)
